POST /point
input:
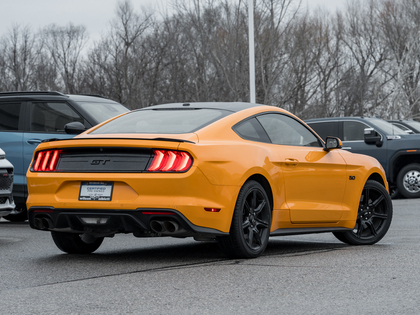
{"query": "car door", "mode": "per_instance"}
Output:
(11, 135)
(46, 120)
(314, 179)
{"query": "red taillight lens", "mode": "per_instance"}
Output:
(46, 161)
(170, 161)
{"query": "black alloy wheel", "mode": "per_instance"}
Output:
(72, 243)
(251, 222)
(373, 219)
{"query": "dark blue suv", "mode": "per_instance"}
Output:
(27, 118)
(397, 151)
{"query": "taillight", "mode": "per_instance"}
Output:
(46, 161)
(170, 161)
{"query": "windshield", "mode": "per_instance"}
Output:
(162, 121)
(387, 127)
(103, 111)
(413, 123)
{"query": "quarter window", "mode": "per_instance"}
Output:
(285, 130)
(9, 116)
(251, 129)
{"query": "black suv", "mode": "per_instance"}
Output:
(27, 118)
(397, 151)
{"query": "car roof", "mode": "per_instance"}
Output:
(341, 118)
(229, 106)
(50, 95)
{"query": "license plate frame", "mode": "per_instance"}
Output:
(96, 191)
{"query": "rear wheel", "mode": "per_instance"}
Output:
(73, 244)
(408, 181)
(250, 228)
(373, 219)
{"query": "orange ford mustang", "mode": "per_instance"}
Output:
(232, 172)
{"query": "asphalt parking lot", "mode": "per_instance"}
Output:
(307, 274)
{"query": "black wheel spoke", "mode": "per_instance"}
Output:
(257, 237)
(250, 237)
(381, 216)
(378, 201)
(262, 223)
(260, 207)
(372, 228)
(246, 224)
(254, 200)
(366, 196)
(360, 229)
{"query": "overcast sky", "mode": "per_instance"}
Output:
(94, 14)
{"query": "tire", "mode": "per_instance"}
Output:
(250, 227)
(73, 244)
(408, 181)
(19, 214)
(373, 219)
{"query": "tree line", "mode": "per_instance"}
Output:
(363, 60)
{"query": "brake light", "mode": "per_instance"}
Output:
(46, 161)
(170, 161)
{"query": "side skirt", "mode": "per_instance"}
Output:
(296, 231)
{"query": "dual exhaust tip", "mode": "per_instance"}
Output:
(165, 227)
(43, 223)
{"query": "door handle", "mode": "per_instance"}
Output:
(291, 162)
(34, 141)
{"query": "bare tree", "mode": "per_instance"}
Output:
(400, 22)
(65, 45)
(19, 53)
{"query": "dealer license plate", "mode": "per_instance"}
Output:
(96, 191)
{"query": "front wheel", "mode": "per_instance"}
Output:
(73, 244)
(250, 228)
(408, 181)
(373, 219)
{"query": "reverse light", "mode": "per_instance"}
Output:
(46, 161)
(170, 161)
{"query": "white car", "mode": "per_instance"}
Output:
(6, 185)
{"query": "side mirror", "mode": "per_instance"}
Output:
(332, 143)
(74, 128)
(371, 136)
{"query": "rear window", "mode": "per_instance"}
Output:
(162, 121)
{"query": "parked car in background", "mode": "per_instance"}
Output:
(6, 185)
(27, 118)
(232, 172)
(408, 125)
(397, 151)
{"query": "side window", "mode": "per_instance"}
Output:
(9, 116)
(325, 129)
(353, 130)
(51, 117)
(251, 129)
(285, 130)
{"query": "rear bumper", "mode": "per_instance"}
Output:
(140, 222)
